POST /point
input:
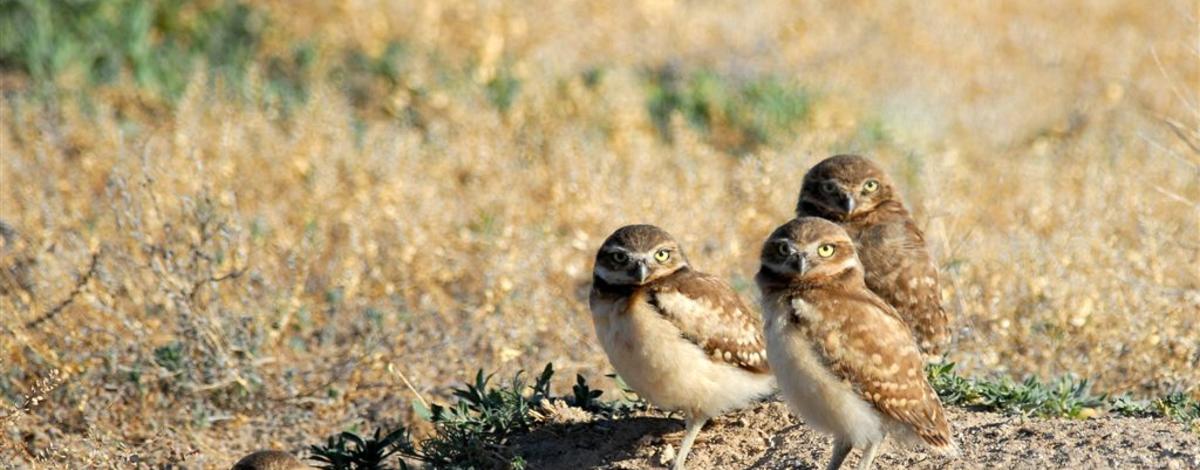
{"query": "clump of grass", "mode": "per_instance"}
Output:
(475, 431)
(31, 400)
(157, 43)
(1179, 406)
(347, 450)
(736, 115)
(584, 396)
(366, 78)
(502, 90)
(1064, 397)
(170, 357)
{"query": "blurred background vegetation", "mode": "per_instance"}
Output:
(231, 225)
(69, 49)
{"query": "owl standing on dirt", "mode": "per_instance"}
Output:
(682, 339)
(844, 359)
(855, 193)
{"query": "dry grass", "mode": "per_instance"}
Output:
(256, 275)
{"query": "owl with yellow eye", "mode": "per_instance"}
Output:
(681, 339)
(844, 360)
(856, 194)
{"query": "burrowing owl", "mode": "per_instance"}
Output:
(859, 196)
(269, 460)
(680, 338)
(844, 359)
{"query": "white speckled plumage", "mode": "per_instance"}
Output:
(844, 359)
(681, 339)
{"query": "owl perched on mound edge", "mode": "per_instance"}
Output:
(844, 359)
(856, 194)
(682, 339)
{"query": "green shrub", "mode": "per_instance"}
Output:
(1065, 397)
(736, 115)
(79, 43)
(170, 357)
(502, 89)
(347, 450)
(474, 432)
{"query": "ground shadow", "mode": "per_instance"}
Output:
(589, 445)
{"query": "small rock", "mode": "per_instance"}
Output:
(667, 455)
(625, 465)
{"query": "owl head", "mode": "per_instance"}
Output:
(844, 186)
(810, 251)
(635, 255)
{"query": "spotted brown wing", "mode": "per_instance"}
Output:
(710, 314)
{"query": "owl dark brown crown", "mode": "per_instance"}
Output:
(791, 255)
(640, 237)
(810, 228)
(834, 188)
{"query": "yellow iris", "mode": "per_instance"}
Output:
(662, 256)
(825, 251)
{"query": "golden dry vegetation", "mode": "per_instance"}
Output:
(215, 275)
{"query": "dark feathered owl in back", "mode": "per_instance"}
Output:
(858, 195)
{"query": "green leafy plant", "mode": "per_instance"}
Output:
(474, 432)
(737, 115)
(1126, 405)
(170, 356)
(502, 90)
(155, 42)
(583, 396)
(1064, 397)
(347, 450)
(1178, 406)
(158, 44)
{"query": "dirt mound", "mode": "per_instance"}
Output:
(768, 437)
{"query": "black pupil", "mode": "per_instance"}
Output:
(619, 257)
(783, 248)
(828, 187)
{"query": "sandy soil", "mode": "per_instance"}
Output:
(768, 437)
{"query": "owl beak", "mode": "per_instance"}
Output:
(797, 262)
(643, 271)
(848, 203)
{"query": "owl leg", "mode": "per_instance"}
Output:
(841, 449)
(694, 423)
(868, 455)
